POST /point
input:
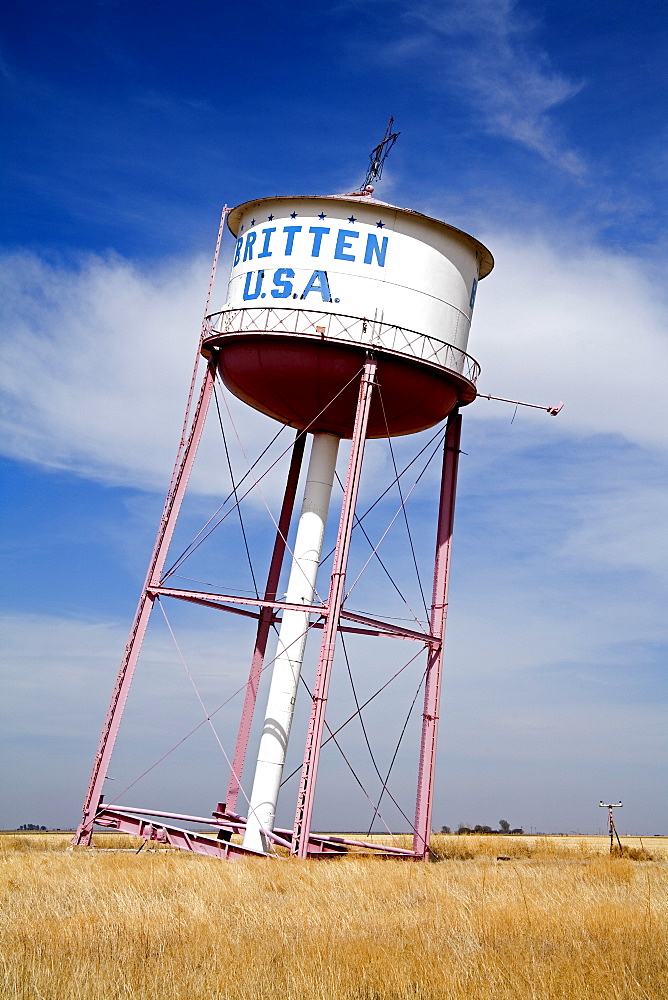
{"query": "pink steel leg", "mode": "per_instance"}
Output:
(306, 794)
(439, 610)
(265, 621)
(184, 462)
(205, 329)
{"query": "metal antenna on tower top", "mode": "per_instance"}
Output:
(378, 156)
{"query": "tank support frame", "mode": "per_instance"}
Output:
(330, 616)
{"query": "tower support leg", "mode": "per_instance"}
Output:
(306, 794)
(182, 469)
(439, 609)
(265, 622)
(291, 642)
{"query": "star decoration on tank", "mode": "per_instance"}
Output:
(252, 222)
(352, 219)
(270, 218)
(293, 215)
(322, 216)
(379, 224)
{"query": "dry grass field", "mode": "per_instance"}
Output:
(559, 920)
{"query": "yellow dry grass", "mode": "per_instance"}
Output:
(562, 922)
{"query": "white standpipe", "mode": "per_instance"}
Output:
(291, 642)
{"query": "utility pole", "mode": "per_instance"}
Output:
(612, 829)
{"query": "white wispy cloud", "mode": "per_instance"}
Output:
(95, 358)
(487, 51)
(564, 318)
(95, 364)
(92, 356)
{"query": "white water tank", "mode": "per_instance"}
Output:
(315, 272)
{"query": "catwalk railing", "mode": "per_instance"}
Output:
(356, 330)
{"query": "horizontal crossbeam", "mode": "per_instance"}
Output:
(377, 627)
(215, 600)
(389, 628)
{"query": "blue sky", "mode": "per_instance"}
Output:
(538, 127)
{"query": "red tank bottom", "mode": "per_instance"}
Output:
(314, 384)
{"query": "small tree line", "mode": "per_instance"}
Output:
(504, 828)
(31, 826)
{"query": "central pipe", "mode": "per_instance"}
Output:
(291, 642)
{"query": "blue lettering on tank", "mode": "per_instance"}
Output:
(248, 249)
(255, 294)
(290, 230)
(237, 252)
(266, 252)
(318, 233)
(373, 247)
(283, 288)
(342, 243)
(474, 289)
(318, 283)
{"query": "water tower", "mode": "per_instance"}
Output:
(347, 319)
